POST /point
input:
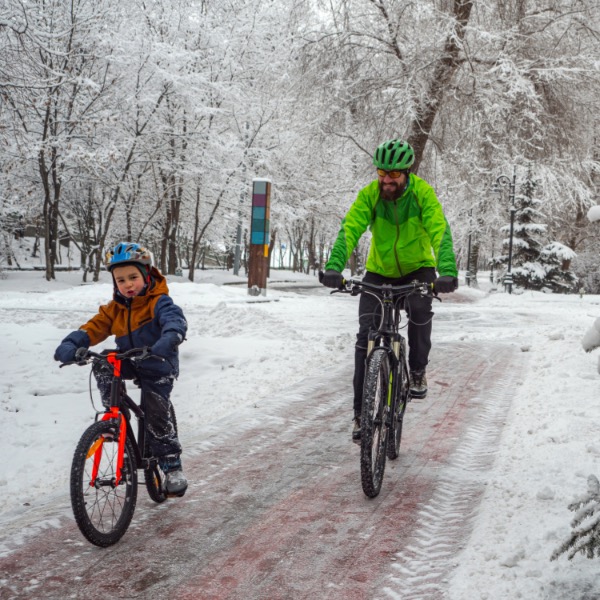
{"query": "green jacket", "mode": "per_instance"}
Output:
(407, 234)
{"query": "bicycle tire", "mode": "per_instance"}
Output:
(403, 389)
(154, 476)
(103, 512)
(374, 432)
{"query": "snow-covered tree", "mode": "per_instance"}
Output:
(528, 235)
(585, 534)
(55, 75)
(553, 258)
(537, 264)
(161, 113)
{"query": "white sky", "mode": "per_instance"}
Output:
(548, 443)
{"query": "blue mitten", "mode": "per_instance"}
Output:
(167, 344)
(69, 346)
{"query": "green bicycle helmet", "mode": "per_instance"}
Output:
(394, 155)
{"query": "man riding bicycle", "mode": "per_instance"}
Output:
(410, 240)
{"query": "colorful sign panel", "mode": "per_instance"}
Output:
(261, 199)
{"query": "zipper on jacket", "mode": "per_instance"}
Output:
(128, 304)
(397, 236)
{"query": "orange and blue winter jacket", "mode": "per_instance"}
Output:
(407, 234)
(137, 322)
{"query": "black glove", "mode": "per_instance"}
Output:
(445, 284)
(331, 279)
(166, 344)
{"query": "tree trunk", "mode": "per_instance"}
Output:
(51, 187)
(474, 261)
(195, 240)
(271, 247)
(443, 70)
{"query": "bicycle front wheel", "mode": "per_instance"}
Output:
(402, 391)
(374, 432)
(102, 508)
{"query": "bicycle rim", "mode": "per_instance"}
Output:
(403, 386)
(374, 432)
(103, 511)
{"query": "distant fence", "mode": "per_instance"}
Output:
(39, 268)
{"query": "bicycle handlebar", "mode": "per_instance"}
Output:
(355, 286)
(83, 356)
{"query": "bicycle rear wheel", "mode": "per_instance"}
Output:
(103, 510)
(374, 432)
(403, 388)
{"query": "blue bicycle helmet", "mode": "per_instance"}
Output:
(129, 253)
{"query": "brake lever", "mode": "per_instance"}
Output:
(81, 355)
(73, 362)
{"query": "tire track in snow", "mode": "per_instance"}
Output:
(421, 569)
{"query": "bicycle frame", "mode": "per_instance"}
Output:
(117, 396)
(388, 336)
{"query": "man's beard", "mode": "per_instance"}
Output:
(393, 191)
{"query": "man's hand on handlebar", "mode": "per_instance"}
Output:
(445, 284)
(331, 279)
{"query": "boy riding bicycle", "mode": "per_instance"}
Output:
(141, 313)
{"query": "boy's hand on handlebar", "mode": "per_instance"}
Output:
(78, 357)
(445, 284)
(331, 279)
(66, 352)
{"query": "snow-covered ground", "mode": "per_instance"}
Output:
(239, 350)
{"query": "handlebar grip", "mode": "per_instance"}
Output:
(81, 354)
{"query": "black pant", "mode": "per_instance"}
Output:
(419, 314)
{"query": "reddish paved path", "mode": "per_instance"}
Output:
(277, 511)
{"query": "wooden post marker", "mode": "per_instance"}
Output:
(259, 237)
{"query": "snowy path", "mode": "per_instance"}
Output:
(277, 511)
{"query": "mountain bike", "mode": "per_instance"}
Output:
(386, 390)
(104, 475)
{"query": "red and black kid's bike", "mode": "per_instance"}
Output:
(104, 478)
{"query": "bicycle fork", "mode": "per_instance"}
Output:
(97, 448)
(112, 414)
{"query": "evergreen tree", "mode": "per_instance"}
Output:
(585, 535)
(537, 263)
(527, 237)
(552, 258)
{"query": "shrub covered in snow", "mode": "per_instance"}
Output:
(585, 534)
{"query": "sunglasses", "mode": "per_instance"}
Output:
(392, 174)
